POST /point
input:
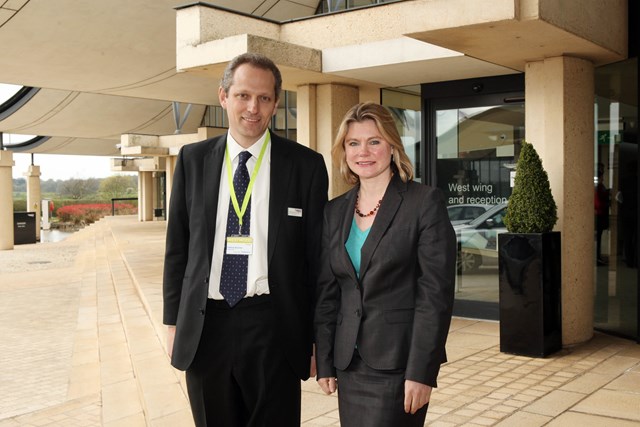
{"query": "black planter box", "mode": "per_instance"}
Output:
(530, 293)
(24, 228)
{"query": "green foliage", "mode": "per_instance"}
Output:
(19, 205)
(78, 188)
(19, 185)
(49, 185)
(119, 186)
(531, 206)
(81, 201)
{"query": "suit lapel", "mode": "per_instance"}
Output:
(388, 209)
(345, 211)
(213, 163)
(280, 176)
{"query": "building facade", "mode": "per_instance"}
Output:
(563, 75)
(467, 81)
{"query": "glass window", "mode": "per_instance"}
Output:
(616, 198)
(404, 105)
(326, 6)
(284, 123)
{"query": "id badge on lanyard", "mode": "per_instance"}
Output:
(239, 244)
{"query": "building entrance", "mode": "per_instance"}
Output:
(473, 133)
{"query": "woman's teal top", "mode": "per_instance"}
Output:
(354, 244)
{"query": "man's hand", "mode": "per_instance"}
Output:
(416, 395)
(171, 335)
(328, 385)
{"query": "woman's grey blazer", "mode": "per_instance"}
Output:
(399, 311)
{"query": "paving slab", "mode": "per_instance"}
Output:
(83, 344)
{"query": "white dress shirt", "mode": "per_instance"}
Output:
(257, 278)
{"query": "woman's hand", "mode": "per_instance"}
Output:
(171, 335)
(416, 395)
(313, 371)
(328, 385)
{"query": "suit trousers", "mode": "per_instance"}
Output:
(240, 376)
(369, 397)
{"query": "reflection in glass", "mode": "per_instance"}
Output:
(285, 121)
(404, 105)
(326, 6)
(476, 152)
(616, 198)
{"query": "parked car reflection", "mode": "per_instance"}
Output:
(463, 214)
(478, 240)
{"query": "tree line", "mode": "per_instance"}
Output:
(75, 188)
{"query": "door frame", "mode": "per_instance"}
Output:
(476, 92)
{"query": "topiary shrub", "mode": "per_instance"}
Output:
(531, 207)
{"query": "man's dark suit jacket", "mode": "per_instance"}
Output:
(399, 311)
(298, 180)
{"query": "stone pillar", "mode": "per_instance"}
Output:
(6, 200)
(140, 196)
(306, 115)
(34, 195)
(145, 196)
(171, 168)
(559, 118)
(332, 102)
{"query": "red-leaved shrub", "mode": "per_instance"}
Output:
(87, 214)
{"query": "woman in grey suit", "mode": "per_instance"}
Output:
(385, 290)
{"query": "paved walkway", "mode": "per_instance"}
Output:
(83, 345)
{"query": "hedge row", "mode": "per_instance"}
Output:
(90, 213)
(20, 205)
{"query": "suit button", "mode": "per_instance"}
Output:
(206, 280)
(202, 311)
(358, 313)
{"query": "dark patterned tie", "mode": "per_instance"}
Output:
(233, 278)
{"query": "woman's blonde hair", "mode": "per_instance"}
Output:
(400, 162)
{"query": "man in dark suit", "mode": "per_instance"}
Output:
(240, 266)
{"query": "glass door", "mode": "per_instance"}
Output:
(616, 199)
(474, 142)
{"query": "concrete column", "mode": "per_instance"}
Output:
(306, 122)
(34, 195)
(6, 200)
(140, 196)
(145, 196)
(155, 184)
(332, 102)
(171, 168)
(559, 123)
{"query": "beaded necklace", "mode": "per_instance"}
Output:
(362, 215)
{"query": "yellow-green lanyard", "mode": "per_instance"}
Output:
(247, 196)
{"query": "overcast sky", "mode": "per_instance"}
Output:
(57, 166)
